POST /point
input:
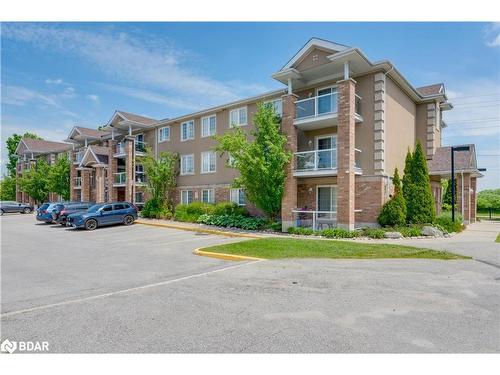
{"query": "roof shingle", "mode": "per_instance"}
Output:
(43, 146)
(434, 89)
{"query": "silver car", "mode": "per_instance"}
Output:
(11, 206)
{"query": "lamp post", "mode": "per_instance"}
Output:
(453, 149)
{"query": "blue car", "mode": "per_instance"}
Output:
(100, 215)
(44, 212)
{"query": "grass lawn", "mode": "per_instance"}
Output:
(277, 248)
(498, 238)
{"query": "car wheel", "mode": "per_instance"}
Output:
(1, 212)
(128, 220)
(90, 224)
(27, 210)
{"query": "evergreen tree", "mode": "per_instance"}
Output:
(407, 181)
(394, 211)
(417, 192)
(447, 193)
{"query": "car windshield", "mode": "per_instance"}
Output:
(44, 206)
(94, 208)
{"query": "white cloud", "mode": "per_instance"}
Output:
(57, 81)
(492, 34)
(17, 95)
(138, 61)
(93, 97)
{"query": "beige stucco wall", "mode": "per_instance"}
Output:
(364, 130)
(421, 125)
(400, 117)
(313, 59)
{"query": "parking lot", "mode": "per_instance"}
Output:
(140, 289)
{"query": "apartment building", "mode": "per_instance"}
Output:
(349, 123)
(29, 152)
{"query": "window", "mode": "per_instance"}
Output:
(208, 125)
(118, 206)
(164, 134)
(238, 196)
(277, 105)
(107, 208)
(139, 197)
(187, 130)
(187, 164)
(230, 160)
(186, 196)
(208, 162)
(238, 117)
(208, 196)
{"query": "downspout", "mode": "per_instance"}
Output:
(462, 173)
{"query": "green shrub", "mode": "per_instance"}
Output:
(393, 212)
(339, 233)
(192, 211)
(374, 233)
(228, 208)
(444, 221)
(301, 231)
(413, 231)
(233, 221)
(154, 209)
(276, 226)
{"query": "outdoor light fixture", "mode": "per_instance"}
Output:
(453, 149)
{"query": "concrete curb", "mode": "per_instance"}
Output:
(199, 230)
(223, 255)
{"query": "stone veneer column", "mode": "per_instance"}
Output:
(431, 123)
(345, 154)
(112, 169)
(379, 125)
(72, 175)
(85, 196)
(289, 200)
(129, 168)
(99, 184)
(466, 205)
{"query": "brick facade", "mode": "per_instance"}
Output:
(289, 200)
(371, 194)
(464, 195)
(345, 154)
(129, 168)
(112, 169)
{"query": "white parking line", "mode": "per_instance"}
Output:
(123, 291)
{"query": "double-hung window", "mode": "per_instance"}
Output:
(208, 162)
(237, 196)
(208, 126)
(187, 130)
(164, 134)
(186, 196)
(238, 117)
(208, 196)
(187, 164)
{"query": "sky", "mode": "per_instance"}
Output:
(57, 75)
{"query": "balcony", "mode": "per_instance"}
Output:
(78, 157)
(120, 179)
(77, 183)
(320, 163)
(321, 111)
(140, 149)
(315, 220)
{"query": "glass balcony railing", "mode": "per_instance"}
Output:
(322, 105)
(120, 178)
(316, 106)
(316, 160)
(120, 149)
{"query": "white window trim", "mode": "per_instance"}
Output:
(188, 173)
(188, 122)
(323, 136)
(327, 87)
(317, 195)
(187, 194)
(201, 162)
(237, 203)
(201, 125)
(213, 195)
(238, 109)
(159, 132)
(274, 100)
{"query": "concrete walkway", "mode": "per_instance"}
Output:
(477, 241)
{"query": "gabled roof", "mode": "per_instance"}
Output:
(40, 146)
(95, 155)
(131, 117)
(314, 43)
(435, 89)
(87, 133)
(465, 161)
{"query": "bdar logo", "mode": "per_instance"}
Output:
(8, 346)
